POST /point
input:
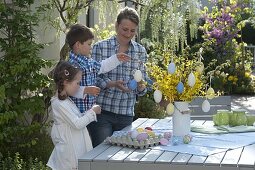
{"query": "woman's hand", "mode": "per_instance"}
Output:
(118, 84)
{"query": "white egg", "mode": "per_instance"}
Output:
(206, 106)
(134, 134)
(138, 76)
(171, 68)
(157, 96)
(170, 109)
(200, 68)
(191, 80)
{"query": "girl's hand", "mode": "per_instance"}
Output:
(123, 57)
(96, 109)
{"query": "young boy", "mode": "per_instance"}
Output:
(79, 39)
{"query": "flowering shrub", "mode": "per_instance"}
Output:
(231, 63)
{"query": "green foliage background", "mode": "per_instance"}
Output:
(24, 90)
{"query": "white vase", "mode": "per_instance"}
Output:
(181, 121)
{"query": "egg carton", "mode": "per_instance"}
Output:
(127, 141)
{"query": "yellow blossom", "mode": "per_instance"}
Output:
(235, 79)
(230, 78)
(247, 74)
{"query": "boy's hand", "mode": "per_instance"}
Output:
(96, 109)
(92, 90)
(141, 86)
(123, 57)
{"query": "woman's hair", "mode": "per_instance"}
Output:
(128, 13)
(64, 71)
(78, 32)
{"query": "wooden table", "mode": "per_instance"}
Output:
(107, 157)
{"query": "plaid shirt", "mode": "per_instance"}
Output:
(90, 69)
(114, 100)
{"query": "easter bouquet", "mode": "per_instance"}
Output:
(179, 79)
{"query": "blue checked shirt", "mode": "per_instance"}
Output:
(90, 69)
(114, 100)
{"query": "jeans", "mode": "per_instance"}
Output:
(107, 123)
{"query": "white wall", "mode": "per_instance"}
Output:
(47, 34)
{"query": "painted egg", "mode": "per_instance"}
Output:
(180, 87)
(210, 93)
(148, 128)
(150, 133)
(167, 135)
(140, 130)
(134, 134)
(171, 68)
(142, 136)
(206, 106)
(200, 68)
(129, 134)
(138, 76)
(170, 109)
(132, 84)
(157, 96)
(175, 140)
(191, 80)
(186, 139)
(163, 141)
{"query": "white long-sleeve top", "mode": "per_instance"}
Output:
(69, 134)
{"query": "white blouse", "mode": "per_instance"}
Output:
(69, 134)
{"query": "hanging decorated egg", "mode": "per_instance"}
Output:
(132, 84)
(200, 67)
(191, 80)
(157, 96)
(171, 68)
(138, 76)
(180, 87)
(210, 93)
(170, 109)
(206, 106)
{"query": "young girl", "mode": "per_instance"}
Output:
(69, 133)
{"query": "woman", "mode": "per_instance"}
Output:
(118, 103)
